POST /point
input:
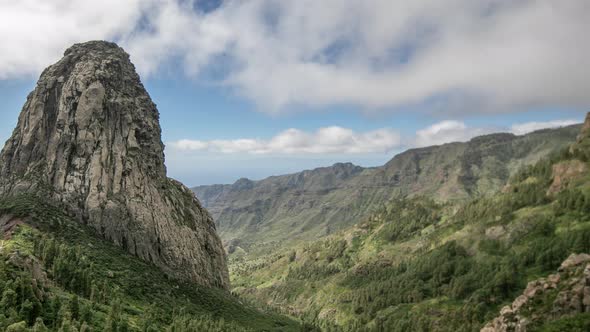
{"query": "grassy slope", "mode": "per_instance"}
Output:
(140, 288)
(419, 265)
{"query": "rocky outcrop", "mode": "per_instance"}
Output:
(7, 225)
(565, 172)
(89, 138)
(569, 291)
(39, 280)
(573, 261)
(585, 132)
(495, 232)
(582, 144)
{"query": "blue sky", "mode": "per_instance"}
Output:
(263, 87)
(201, 112)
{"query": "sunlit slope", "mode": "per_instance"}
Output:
(421, 265)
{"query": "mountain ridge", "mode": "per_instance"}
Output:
(326, 199)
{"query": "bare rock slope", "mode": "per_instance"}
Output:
(89, 138)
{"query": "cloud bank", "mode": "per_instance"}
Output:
(476, 55)
(457, 131)
(329, 140)
(338, 140)
(446, 132)
(525, 128)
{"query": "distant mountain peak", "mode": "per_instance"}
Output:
(344, 165)
(243, 184)
(89, 137)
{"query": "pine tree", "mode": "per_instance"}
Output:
(39, 326)
(17, 327)
(84, 327)
(75, 307)
(148, 319)
(54, 314)
(8, 296)
(113, 321)
(27, 311)
(85, 313)
(67, 326)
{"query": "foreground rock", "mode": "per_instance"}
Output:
(89, 137)
(566, 294)
(566, 172)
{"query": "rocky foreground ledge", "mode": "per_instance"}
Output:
(565, 293)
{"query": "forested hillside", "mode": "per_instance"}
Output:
(55, 275)
(421, 265)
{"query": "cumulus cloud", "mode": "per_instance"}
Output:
(525, 128)
(497, 55)
(457, 131)
(446, 132)
(338, 140)
(35, 33)
(329, 140)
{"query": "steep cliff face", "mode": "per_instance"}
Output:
(89, 137)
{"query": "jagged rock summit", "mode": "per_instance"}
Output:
(89, 138)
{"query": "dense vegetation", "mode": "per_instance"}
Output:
(56, 276)
(416, 265)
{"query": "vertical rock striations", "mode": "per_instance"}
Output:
(89, 137)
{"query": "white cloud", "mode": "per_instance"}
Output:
(329, 140)
(494, 54)
(457, 131)
(35, 33)
(338, 140)
(446, 132)
(525, 128)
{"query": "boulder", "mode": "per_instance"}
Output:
(574, 260)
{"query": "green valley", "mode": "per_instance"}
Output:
(417, 264)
